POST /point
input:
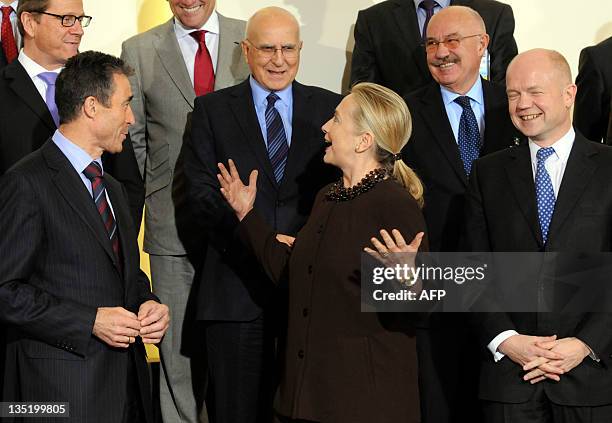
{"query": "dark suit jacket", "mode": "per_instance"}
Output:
(388, 41)
(224, 126)
(57, 268)
(27, 124)
(592, 114)
(3, 61)
(502, 216)
(433, 153)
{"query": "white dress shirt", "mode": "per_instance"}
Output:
(189, 46)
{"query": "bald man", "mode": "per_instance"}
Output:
(441, 150)
(543, 367)
(271, 123)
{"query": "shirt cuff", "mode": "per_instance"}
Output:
(496, 342)
(591, 352)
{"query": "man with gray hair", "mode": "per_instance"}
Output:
(269, 122)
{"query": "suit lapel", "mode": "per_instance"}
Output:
(432, 110)
(520, 176)
(76, 195)
(406, 19)
(244, 112)
(229, 57)
(497, 120)
(301, 130)
(23, 86)
(169, 54)
(577, 176)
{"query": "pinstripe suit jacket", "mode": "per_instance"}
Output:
(57, 268)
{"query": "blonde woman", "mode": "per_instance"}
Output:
(342, 365)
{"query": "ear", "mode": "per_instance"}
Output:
(90, 107)
(569, 95)
(366, 141)
(28, 20)
(484, 42)
(245, 49)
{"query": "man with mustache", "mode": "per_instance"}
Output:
(456, 118)
(77, 305)
(389, 36)
(190, 55)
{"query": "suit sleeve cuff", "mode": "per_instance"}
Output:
(496, 342)
(592, 354)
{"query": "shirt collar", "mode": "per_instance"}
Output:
(31, 67)
(475, 93)
(441, 3)
(75, 154)
(14, 5)
(260, 93)
(211, 25)
(562, 147)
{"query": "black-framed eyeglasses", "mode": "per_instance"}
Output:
(70, 20)
(451, 43)
(267, 52)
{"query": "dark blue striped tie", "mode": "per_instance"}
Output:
(277, 140)
(93, 172)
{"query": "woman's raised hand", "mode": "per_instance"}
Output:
(240, 197)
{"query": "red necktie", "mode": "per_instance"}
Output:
(8, 37)
(203, 74)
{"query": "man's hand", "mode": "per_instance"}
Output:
(286, 239)
(573, 351)
(154, 321)
(523, 349)
(116, 326)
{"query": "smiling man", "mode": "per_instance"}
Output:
(456, 118)
(545, 367)
(192, 54)
(272, 123)
(77, 305)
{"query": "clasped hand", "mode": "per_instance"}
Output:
(544, 357)
(119, 327)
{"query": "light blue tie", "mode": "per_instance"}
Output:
(469, 134)
(277, 140)
(49, 78)
(545, 194)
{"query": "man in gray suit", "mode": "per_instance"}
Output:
(170, 61)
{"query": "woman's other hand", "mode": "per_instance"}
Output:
(240, 197)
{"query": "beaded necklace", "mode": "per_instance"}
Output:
(338, 192)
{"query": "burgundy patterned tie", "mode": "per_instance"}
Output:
(8, 37)
(93, 172)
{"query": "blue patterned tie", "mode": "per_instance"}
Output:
(469, 134)
(545, 194)
(428, 6)
(277, 140)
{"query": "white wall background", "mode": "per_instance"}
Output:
(327, 28)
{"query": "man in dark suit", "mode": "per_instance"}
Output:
(25, 103)
(271, 123)
(77, 306)
(592, 115)
(534, 198)
(440, 153)
(389, 36)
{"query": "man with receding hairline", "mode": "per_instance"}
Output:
(269, 122)
(456, 118)
(544, 367)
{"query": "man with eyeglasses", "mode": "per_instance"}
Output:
(456, 118)
(389, 40)
(190, 55)
(269, 122)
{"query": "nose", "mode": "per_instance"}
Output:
(278, 58)
(325, 128)
(129, 117)
(77, 28)
(523, 102)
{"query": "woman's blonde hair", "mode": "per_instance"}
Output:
(384, 113)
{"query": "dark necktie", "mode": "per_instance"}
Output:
(545, 194)
(93, 172)
(8, 36)
(428, 6)
(203, 73)
(277, 140)
(469, 134)
(49, 78)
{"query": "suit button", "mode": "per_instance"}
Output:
(310, 269)
(301, 354)
(305, 312)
